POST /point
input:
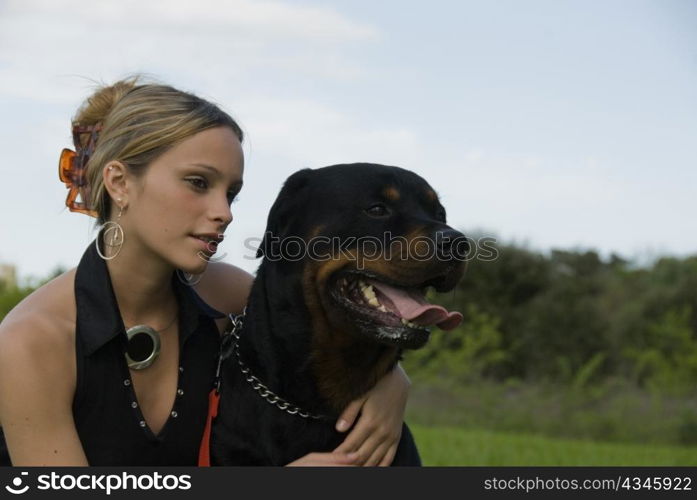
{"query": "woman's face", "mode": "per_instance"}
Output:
(182, 202)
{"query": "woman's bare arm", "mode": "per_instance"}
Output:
(37, 383)
(225, 288)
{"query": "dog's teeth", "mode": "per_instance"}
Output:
(382, 308)
(369, 295)
(404, 321)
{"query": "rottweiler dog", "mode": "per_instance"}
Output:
(348, 253)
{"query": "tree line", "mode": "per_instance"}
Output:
(570, 317)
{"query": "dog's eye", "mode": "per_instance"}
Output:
(377, 210)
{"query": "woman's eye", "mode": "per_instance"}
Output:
(377, 210)
(198, 182)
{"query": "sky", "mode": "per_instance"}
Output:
(554, 124)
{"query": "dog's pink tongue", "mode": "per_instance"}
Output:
(412, 306)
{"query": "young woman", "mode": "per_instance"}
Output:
(111, 362)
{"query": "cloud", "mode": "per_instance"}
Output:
(45, 45)
(264, 19)
(307, 133)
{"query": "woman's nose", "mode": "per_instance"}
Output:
(223, 212)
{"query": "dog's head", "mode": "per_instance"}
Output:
(367, 241)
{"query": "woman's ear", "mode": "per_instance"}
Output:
(115, 175)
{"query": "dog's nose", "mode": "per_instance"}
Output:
(452, 245)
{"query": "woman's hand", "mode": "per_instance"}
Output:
(379, 428)
(334, 459)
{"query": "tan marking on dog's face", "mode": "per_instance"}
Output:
(332, 344)
(400, 263)
(391, 193)
(315, 286)
(316, 277)
(420, 243)
(431, 195)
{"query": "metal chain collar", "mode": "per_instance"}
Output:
(231, 342)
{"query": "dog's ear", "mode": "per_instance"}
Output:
(284, 210)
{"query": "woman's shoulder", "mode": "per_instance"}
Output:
(225, 287)
(37, 369)
(43, 323)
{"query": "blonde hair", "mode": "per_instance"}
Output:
(139, 122)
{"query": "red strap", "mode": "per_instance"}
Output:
(204, 453)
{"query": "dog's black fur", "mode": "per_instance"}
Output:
(298, 340)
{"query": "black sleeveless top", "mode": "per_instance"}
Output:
(105, 409)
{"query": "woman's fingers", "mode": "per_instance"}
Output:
(379, 427)
(379, 449)
(389, 456)
(377, 455)
(357, 437)
(333, 459)
(349, 415)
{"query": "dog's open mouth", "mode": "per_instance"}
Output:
(400, 312)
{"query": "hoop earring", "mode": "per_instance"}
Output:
(113, 236)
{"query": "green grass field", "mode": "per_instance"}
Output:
(455, 446)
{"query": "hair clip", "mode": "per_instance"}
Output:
(72, 167)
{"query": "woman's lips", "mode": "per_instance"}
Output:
(209, 247)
